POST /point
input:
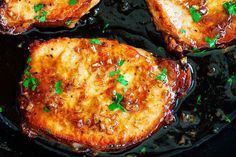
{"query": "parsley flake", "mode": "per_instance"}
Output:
(29, 80)
(121, 80)
(227, 119)
(230, 7)
(199, 52)
(116, 104)
(163, 75)
(143, 150)
(68, 22)
(41, 18)
(231, 79)
(46, 109)
(211, 42)
(1, 109)
(105, 27)
(183, 31)
(38, 7)
(196, 16)
(199, 100)
(72, 2)
(58, 87)
(121, 62)
(95, 41)
(113, 73)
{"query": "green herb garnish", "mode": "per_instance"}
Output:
(143, 150)
(183, 31)
(116, 104)
(199, 100)
(199, 52)
(121, 62)
(72, 2)
(121, 80)
(113, 73)
(227, 119)
(38, 7)
(196, 16)
(68, 22)
(211, 42)
(41, 18)
(95, 41)
(1, 109)
(163, 75)
(105, 27)
(29, 80)
(46, 109)
(58, 87)
(231, 80)
(230, 7)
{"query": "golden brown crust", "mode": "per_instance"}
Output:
(80, 114)
(19, 16)
(171, 17)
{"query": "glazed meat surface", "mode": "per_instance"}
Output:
(98, 93)
(182, 33)
(19, 16)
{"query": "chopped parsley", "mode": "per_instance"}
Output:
(38, 7)
(29, 80)
(121, 62)
(72, 2)
(163, 75)
(199, 100)
(46, 109)
(183, 31)
(143, 150)
(116, 104)
(68, 22)
(196, 16)
(58, 87)
(227, 119)
(231, 80)
(42, 17)
(105, 27)
(95, 41)
(230, 7)
(211, 42)
(121, 80)
(196, 50)
(113, 73)
(1, 109)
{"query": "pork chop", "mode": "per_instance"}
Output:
(19, 16)
(98, 93)
(194, 24)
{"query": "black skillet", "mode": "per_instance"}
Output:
(208, 108)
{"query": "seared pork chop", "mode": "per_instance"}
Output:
(19, 16)
(98, 93)
(194, 24)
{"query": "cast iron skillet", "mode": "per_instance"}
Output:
(208, 108)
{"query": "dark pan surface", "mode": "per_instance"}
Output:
(209, 107)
